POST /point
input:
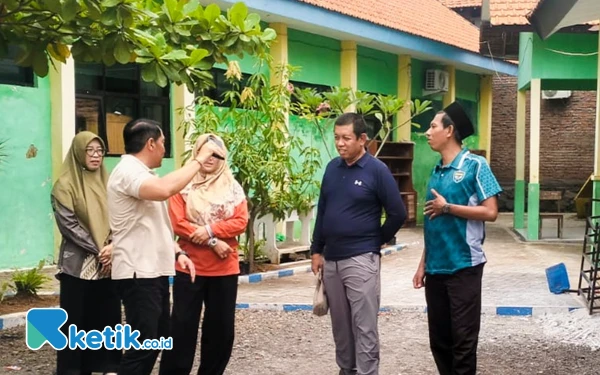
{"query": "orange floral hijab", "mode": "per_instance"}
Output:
(213, 197)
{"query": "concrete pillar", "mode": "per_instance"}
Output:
(184, 110)
(519, 210)
(485, 115)
(404, 92)
(533, 196)
(62, 91)
(349, 68)
(62, 122)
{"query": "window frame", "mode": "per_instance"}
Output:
(26, 72)
(102, 94)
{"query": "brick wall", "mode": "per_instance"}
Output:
(567, 136)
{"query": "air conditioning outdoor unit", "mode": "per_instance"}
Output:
(436, 80)
(555, 94)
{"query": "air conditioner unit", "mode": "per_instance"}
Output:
(555, 94)
(436, 80)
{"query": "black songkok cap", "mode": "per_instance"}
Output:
(460, 119)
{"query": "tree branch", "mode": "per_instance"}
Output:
(61, 33)
(21, 9)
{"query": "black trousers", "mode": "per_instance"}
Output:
(454, 316)
(219, 295)
(90, 305)
(146, 303)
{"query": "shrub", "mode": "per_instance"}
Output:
(28, 282)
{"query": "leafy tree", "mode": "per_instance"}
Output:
(321, 109)
(275, 168)
(176, 41)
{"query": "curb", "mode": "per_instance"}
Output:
(277, 274)
(523, 311)
(258, 277)
(18, 319)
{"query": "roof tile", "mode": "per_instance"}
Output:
(425, 18)
(510, 12)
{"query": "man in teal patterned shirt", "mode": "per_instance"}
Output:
(461, 197)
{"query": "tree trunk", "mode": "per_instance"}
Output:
(251, 241)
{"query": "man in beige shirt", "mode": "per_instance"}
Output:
(144, 251)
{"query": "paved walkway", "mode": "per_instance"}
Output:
(513, 277)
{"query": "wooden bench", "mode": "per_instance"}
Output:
(557, 197)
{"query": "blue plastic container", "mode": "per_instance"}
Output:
(558, 280)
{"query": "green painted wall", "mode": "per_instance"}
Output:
(26, 218)
(377, 71)
(318, 57)
(467, 94)
(564, 61)
(417, 74)
(467, 85)
(319, 60)
(549, 64)
(525, 60)
(248, 64)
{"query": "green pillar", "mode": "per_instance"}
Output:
(519, 209)
(596, 195)
(533, 212)
(533, 196)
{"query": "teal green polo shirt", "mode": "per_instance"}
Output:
(453, 243)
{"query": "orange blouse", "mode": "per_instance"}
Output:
(206, 261)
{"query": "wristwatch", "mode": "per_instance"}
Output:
(180, 253)
(446, 208)
(212, 242)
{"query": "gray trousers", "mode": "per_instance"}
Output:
(353, 292)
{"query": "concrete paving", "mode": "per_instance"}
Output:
(514, 275)
(573, 229)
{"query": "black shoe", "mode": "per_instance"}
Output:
(347, 372)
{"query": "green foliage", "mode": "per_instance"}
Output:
(259, 250)
(275, 168)
(322, 109)
(5, 286)
(177, 41)
(28, 282)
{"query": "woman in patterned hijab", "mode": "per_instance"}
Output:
(86, 294)
(207, 216)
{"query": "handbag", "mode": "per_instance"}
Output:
(320, 305)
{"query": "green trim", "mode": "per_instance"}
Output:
(596, 195)
(525, 72)
(519, 209)
(533, 212)
(310, 17)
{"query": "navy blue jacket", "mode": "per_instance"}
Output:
(350, 209)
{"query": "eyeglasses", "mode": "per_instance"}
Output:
(94, 151)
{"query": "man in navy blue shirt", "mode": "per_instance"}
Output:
(461, 197)
(347, 239)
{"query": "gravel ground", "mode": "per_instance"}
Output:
(271, 342)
